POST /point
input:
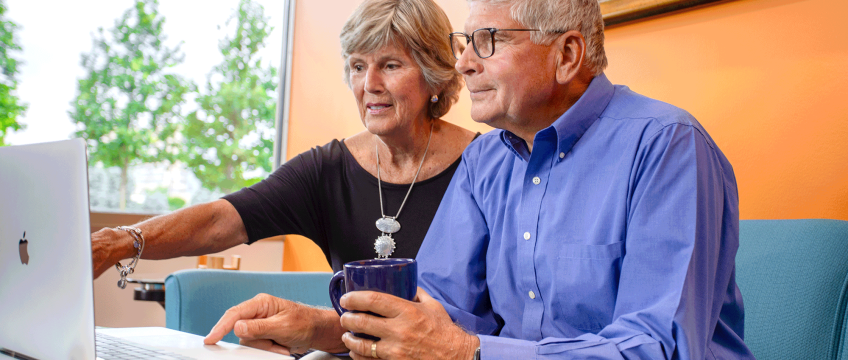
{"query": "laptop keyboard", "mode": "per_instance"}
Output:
(110, 347)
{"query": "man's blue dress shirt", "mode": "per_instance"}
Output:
(614, 239)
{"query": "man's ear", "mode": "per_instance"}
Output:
(572, 49)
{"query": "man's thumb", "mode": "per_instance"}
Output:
(252, 329)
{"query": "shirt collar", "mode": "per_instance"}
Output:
(573, 123)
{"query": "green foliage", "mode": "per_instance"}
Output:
(231, 134)
(129, 105)
(175, 203)
(10, 107)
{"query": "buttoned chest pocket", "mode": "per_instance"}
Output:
(586, 286)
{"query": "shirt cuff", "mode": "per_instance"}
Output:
(494, 347)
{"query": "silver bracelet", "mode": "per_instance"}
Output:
(138, 243)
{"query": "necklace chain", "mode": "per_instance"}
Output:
(380, 184)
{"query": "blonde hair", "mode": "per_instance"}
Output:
(421, 27)
(563, 15)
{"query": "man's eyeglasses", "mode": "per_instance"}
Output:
(483, 41)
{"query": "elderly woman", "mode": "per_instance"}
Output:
(372, 194)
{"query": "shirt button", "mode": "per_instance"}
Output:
(527, 236)
(532, 294)
(536, 180)
(561, 155)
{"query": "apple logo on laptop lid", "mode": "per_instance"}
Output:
(22, 248)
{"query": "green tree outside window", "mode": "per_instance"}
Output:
(231, 135)
(129, 105)
(10, 107)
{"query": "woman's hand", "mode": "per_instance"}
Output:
(196, 230)
(410, 330)
(109, 246)
(281, 326)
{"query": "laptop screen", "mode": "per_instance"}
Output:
(46, 294)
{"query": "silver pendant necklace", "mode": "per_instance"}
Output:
(388, 225)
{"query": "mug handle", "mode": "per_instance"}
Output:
(337, 289)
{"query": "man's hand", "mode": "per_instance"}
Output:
(410, 330)
(281, 326)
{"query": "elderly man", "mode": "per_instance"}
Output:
(598, 224)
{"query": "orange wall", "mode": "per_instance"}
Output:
(764, 77)
(767, 79)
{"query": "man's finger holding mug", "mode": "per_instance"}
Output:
(366, 348)
(419, 329)
(379, 303)
(361, 302)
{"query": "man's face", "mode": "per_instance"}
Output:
(517, 82)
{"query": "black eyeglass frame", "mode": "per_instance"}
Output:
(470, 39)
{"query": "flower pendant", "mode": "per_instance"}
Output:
(384, 246)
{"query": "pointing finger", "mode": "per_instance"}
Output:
(259, 307)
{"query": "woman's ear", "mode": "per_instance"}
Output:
(572, 49)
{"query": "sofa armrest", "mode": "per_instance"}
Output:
(196, 299)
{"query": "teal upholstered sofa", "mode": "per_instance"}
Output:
(196, 299)
(793, 275)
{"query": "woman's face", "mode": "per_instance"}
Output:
(390, 89)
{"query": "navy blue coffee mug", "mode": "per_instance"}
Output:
(398, 277)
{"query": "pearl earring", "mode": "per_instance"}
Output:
(434, 99)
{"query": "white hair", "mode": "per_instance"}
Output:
(554, 16)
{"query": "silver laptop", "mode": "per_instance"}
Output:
(46, 287)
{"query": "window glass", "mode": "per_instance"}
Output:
(175, 99)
